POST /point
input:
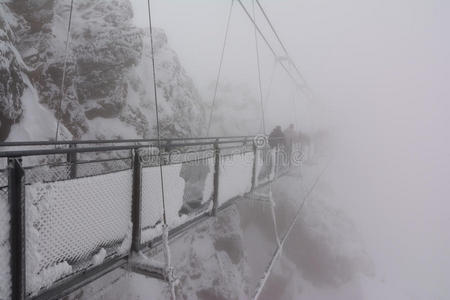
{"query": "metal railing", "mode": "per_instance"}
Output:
(63, 182)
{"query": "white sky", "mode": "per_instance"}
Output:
(381, 70)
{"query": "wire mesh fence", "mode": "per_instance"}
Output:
(79, 205)
(75, 220)
(188, 188)
(235, 175)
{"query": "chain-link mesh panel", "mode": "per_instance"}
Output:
(91, 168)
(198, 177)
(47, 173)
(235, 176)
(74, 224)
(265, 167)
(233, 150)
(190, 156)
(188, 188)
(51, 168)
(89, 164)
(152, 208)
(5, 252)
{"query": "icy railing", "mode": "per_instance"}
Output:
(187, 193)
(74, 224)
(79, 209)
(235, 173)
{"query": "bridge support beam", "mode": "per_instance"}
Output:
(255, 159)
(16, 198)
(136, 205)
(216, 178)
(72, 162)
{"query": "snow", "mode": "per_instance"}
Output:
(262, 168)
(113, 128)
(38, 122)
(47, 277)
(126, 243)
(209, 182)
(98, 258)
(142, 260)
(235, 176)
(68, 220)
(199, 266)
(174, 190)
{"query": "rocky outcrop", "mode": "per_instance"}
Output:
(108, 90)
(11, 80)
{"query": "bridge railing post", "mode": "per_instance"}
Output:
(72, 162)
(136, 205)
(277, 161)
(255, 160)
(16, 199)
(216, 177)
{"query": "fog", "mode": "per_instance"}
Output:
(380, 72)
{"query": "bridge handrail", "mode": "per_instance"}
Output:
(38, 152)
(17, 182)
(116, 141)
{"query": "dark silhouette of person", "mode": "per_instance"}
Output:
(276, 137)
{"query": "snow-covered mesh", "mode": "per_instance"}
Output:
(235, 175)
(190, 156)
(188, 189)
(152, 208)
(265, 165)
(283, 157)
(102, 166)
(226, 150)
(5, 276)
(89, 164)
(50, 168)
(73, 224)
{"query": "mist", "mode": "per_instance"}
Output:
(379, 71)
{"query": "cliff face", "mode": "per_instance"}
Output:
(11, 80)
(108, 91)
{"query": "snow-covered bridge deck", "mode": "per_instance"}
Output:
(70, 213)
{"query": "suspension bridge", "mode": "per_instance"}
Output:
(72, 211)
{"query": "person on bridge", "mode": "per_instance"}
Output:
(276, 138)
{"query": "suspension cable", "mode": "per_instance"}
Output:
(268, 45)
(66, 55)
(281, 43)
(169, 269)
(308, 92)
(158, 132)
(277, 252)
(259, 75)
(269, 87)
(220, 67)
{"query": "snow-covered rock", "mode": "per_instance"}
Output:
(108, 90)
(11, 79)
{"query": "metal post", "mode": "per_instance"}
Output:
(72, 162)
(216, 177)
(277, 161)
(136, 201)
(16, 198)
(255, 159)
